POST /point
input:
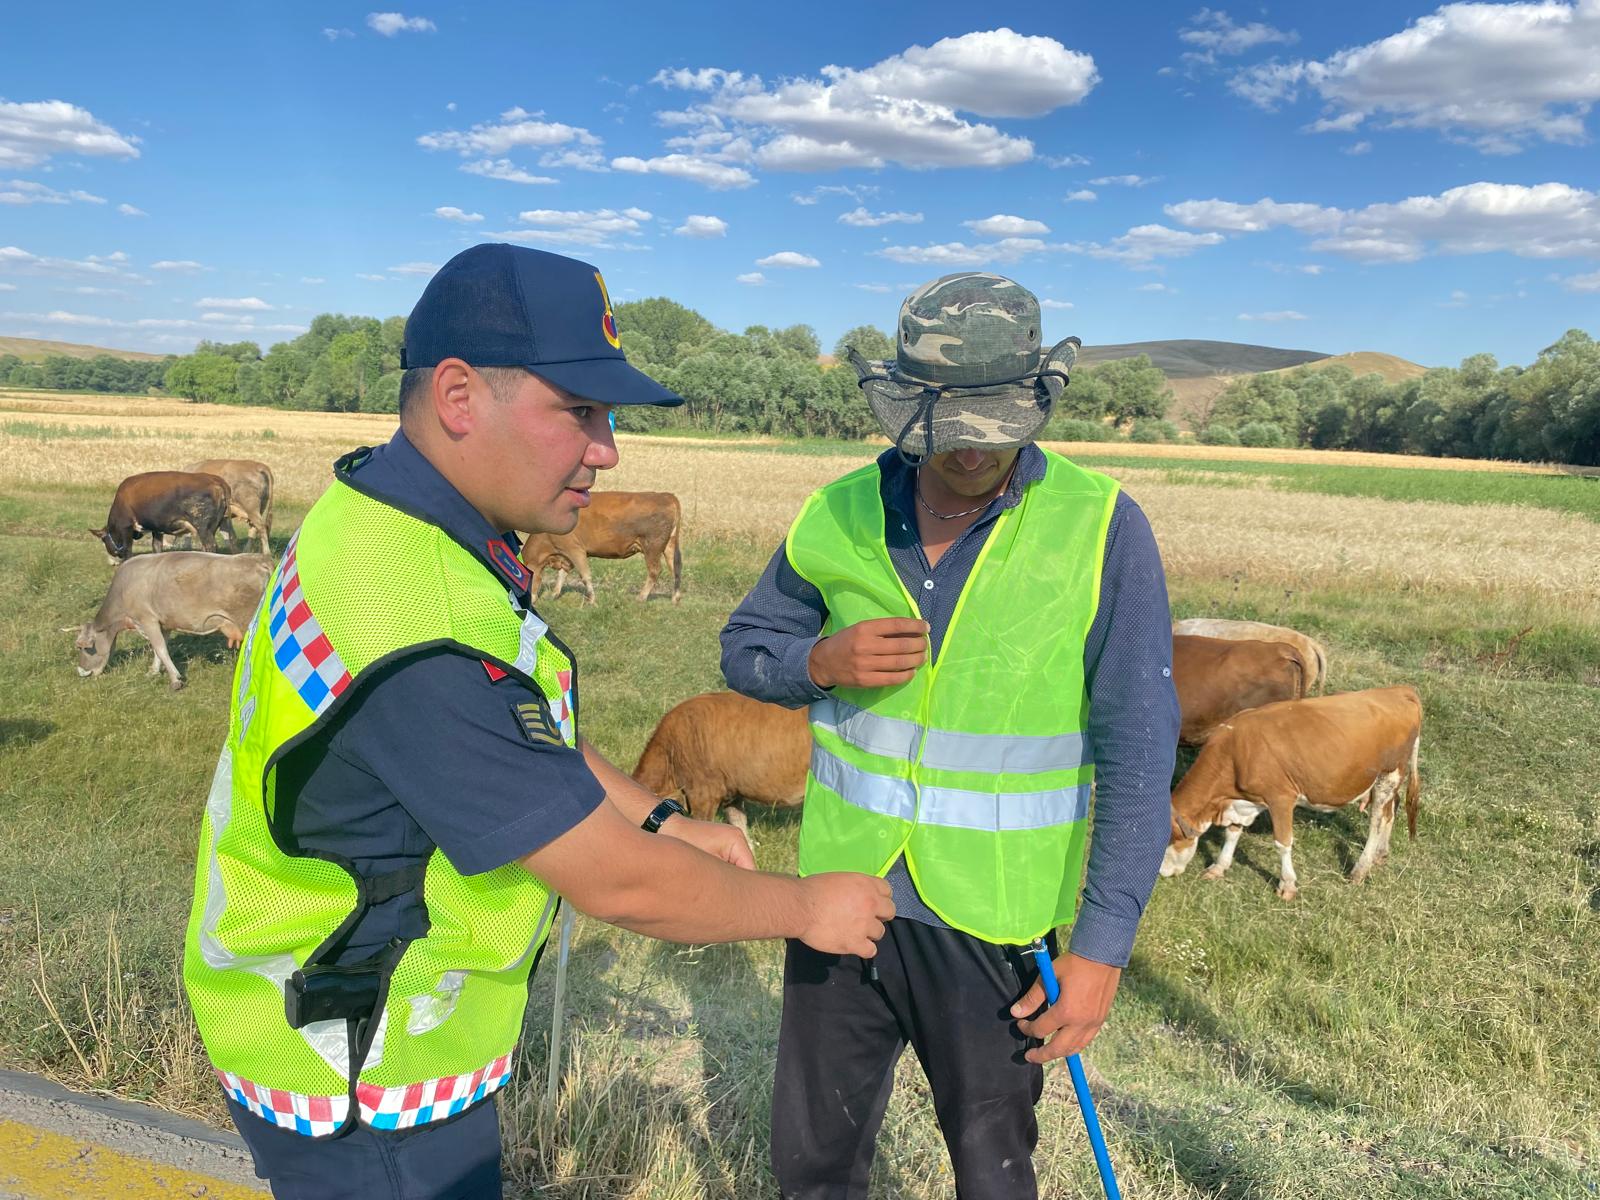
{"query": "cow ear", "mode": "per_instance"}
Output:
(1188, 830)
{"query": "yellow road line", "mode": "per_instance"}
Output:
(49, 1166)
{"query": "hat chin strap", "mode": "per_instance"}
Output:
(924, 414)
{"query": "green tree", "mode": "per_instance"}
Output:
(1136, 389)
(870, 342)
(674, 329)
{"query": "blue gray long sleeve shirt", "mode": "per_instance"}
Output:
(1133, 709)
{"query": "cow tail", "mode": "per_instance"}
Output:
(272, 492)
(1413, 787)
(1320, 683)
(674, 544)
(654, 770)
(1300, 665)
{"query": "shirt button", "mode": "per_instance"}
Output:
(927, 585)
(1166, 672)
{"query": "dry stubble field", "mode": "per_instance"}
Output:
(1432, 1034)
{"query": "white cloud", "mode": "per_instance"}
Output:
(27, 191)
(90, 290)
(861, 218)
(206, 325)
(1287, 314)
(391, 23)
(1251, 218)
(1133, 181)
(583, 160)
(114, 265)
(902, 109)
(1311, 268)
(1216, 34)
(787, 258)
(1356, 148)
(8, 287)
(714, 175)
(182, 266)
(415, 268)
(504, 168)
(1056, 162)
(702, 227)
(516, 129)
(448, 212)
(1144, 243)
(34, 132)
(129, 210)
(1047, 302)
(860, 193)
(333, 35)
(372, 278)
(250, 303)
(1548, 220)
(1080, 196)
(1496, 75)
(1156, 287)
(872, 287)
(1582, 283)
(1458, 299)
(312, 279)
(753, 278)
(959, 254)
(1001, 225)
(603, 229)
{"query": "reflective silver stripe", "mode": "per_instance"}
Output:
(875, 793)
(888, 736)
(1002, 811)
(946, 750)
(952, 808)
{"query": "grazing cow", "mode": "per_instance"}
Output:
(615, 525)
(1310, 649)
(185, 591)
(718, 748)
(1216, 678)
(251, 485)
(1325, 753)
(163, 502)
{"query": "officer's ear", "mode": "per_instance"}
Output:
(454, 386)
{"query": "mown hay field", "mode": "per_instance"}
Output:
(1430, 1034)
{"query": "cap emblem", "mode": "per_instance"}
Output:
(608, 323)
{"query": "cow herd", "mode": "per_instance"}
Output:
(1247, 691)
(1265, 746)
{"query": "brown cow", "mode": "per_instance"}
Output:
(161, 503)
(615, 525)
(185, 591)
(1311, 650)
(1325, 753)
(1216, 678)
(718, 748)
(251, 485)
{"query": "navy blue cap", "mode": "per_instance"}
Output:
(498, 305)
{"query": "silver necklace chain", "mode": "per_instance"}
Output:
(945, 516)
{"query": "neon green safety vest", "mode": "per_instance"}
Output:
(360, 585)
(977, 770)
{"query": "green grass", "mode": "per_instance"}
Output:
(1430, 1035)
(49, 432)
(1566, 493)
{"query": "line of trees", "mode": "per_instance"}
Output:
(102, 373)
(1548, 411)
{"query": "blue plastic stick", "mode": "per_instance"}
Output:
(1080, 1084)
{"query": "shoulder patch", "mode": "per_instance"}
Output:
(537, 723)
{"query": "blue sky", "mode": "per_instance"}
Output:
(1362, 176)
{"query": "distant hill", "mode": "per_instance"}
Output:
(35, 350)
(1199, 359)
(1371, 362)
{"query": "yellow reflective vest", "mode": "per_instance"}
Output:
(978, 770)
(360, 585)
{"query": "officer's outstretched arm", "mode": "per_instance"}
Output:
(614, 871)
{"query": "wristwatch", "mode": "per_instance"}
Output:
(668, 807)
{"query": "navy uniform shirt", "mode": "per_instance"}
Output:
(1127, 668)
(430, 753)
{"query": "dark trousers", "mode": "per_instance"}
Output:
(458, 1159)
(949, 996)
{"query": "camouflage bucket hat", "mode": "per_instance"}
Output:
(968, 370)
